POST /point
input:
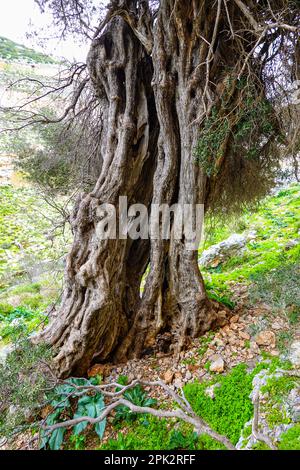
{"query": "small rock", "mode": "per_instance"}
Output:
(178, 383)
(226, 329)
(99, 369)
(168, 376)
(266, 338)
(210, 391)
(274, 352)
(292, 244)
(244, 335)
(130, 377)
(234, 319)
(276, 326)
(217, 364)
(188, 375)
(254, 347)
(216, 254)
(295, 353)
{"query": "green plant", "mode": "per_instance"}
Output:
(137, 396)
(279, 288)
(204, 342)
(23, 382)
(294, 316)
(231, 408)
(78, 441)
(87, 405)
(221, 298)
(283, 340)
(180, 441)
(206, 442)
(290, 440)
(152, 433)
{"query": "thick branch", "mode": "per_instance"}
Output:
(184, 413)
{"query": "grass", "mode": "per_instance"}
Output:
(30, 278)
(267, 265)
(290, 440)
(276, 222)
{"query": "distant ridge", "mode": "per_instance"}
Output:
(13, 52)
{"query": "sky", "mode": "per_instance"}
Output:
(16, 18)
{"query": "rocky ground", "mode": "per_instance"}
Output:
(249, 336)
(258, 328)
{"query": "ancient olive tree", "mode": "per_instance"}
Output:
(190, 95)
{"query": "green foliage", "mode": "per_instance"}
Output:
(137, 396)
(277, 389)
(206, 442)
(78, 441)
(279, 288)
(209, 147)
(231, 408)
(290, 440)
(220, 295)
(204, 343)
(12, 51)
(22, 384)
(178, 440)
(265, 256)
(151, 433)
(18, 320)
(51, 164)
(87, 405)
(25, 246)
(251, 120)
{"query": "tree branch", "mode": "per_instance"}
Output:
(184, 412)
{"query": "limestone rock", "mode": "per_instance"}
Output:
(99, 369)
(210, 391)
(217, 364)
(4, 352)
(295, 353)
(266, 338)
(188, 375)
(244, 335)
(218, 253)
(168, 376)
(234, 319)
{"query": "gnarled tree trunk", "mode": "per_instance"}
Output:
(151, 101)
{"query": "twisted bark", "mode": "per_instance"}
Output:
(151, 105)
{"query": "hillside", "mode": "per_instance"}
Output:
(13, 52)
(257, 279)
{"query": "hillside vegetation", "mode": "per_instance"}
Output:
(260, 284)
(13, 52)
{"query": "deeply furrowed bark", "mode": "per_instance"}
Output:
(151, 104)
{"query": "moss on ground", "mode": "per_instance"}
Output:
(290, 440)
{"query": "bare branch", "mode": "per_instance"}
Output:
(184, 412)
